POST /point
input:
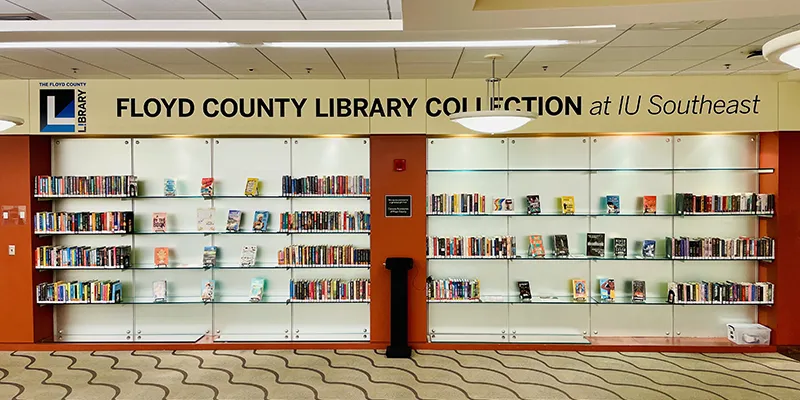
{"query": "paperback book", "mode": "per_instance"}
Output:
(260, 221)
(649, 203)
(159, 222)
(234, 219)
(568, 204)
(161, 256)
(209, 256)
(534, 206)
(638, 292)
(251, 187)
(503, 204)
(159, 291)
(169, 187)
(649, 249)
(579, 289)
(205, 220)
(561, 246)
(524, 290)
(207, 291)
(248, 258)
(596, 245)
(607, 289)
(620, 247)
(256, 289)
(612, 204)
(207, 187)
(536, 246)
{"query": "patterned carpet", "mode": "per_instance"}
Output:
(364, 374)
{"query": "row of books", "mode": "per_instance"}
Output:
(472, 246)
(83, 256)
(326, 185)
(460, 203)
(109, 221)
(311, 221)
(720, 292)
(208, 290)
(454, 289)
(100, 186)
(79, 292)
(330, 290)
(711, 247)
(323, 255)
(757, 203)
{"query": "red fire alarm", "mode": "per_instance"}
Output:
(399, 164)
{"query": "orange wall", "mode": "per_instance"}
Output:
(398, 237)
(21, 158)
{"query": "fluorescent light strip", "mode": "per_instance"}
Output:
(116, 45)
(202, 25)
(422, 45)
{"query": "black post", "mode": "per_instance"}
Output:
(399, 347)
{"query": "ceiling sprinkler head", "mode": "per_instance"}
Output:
(308, 70)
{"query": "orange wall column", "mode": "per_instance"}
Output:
(22, 158)
(398, 237)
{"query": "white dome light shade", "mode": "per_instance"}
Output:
(784, 49)
(7, 122)
(495, 121)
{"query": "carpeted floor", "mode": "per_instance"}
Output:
(362, 374)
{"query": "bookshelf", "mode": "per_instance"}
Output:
(231, 317)
(590, 168)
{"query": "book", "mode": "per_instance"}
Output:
(561, 246)
(607, 289)
(612, 204)
(205, 220)
(524, 290)
(568, 204)
(596, 245)
(169, 187)
(620, 247)
(248, 258)
(161, 256)
(159, 222)
(672, 292)
(209, 256)
(260, 221)
(159, 291)
(638, 291)
(251, 187)
(207, 187)
(649, 249)
(256, 289)
(649, 204)
(534, 206)
(579, 289)
(536, 246)
(503, 204)
(234, 218)
(207, 291)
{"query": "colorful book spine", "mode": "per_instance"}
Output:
(75, 222)
(83, 256)
(719, 248)
(315, 221)
(333, 290)
(475, 246)
(743, 203)
(722, 292)
(459, 203)
(334, 185)
(79, 292)
(323, 255)
(454, 289)
(85, 186)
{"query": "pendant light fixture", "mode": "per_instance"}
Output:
(7, 122)
(784, 49)
(493, 120)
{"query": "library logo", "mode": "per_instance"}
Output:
(62, 110)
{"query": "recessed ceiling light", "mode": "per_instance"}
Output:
(427, 44)
(7, 122)
(784, 49)
(116, 45)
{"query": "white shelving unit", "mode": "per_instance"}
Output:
(231, 317)
(589, 168)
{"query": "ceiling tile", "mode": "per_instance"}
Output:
(626, 53)
(483, 69)
(652, 38)
(260, 76)
(155, 6)
(554, 68)
(301, 75)
(86, 15)
(341, 5)
(694, 52)
(7, 8)
(665, 66)
(371, 76)
(154, 76)
(42, 6)
(193, 69)
(170, 15)
(428, 75)
(429, 56)
(644, 73)
(250, 5)
(727, 37)
(591, 74)
(567, 53)
(681, 25)
(767, 67)
(604, 66)
(760, 23)
(281, 56)
(354, 14)
(53, 61)
(363, 56)
(740, 53)
(512, 55)
(113, 60)
(244, 57)
(261, 15)
(207, 76)
(166, 56)
(426, 68)
(397, 14)
(718, 66)
(316, 69)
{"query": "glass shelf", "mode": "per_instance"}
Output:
(80, 268)
(67, 197)
(276, 196)
(218, 300)
(82, 233)
(584, 258)
(253, 233)
(515, 300)
(731, 303)
(719, 214)
(758, 170)
(659, 301)
(237, 267)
